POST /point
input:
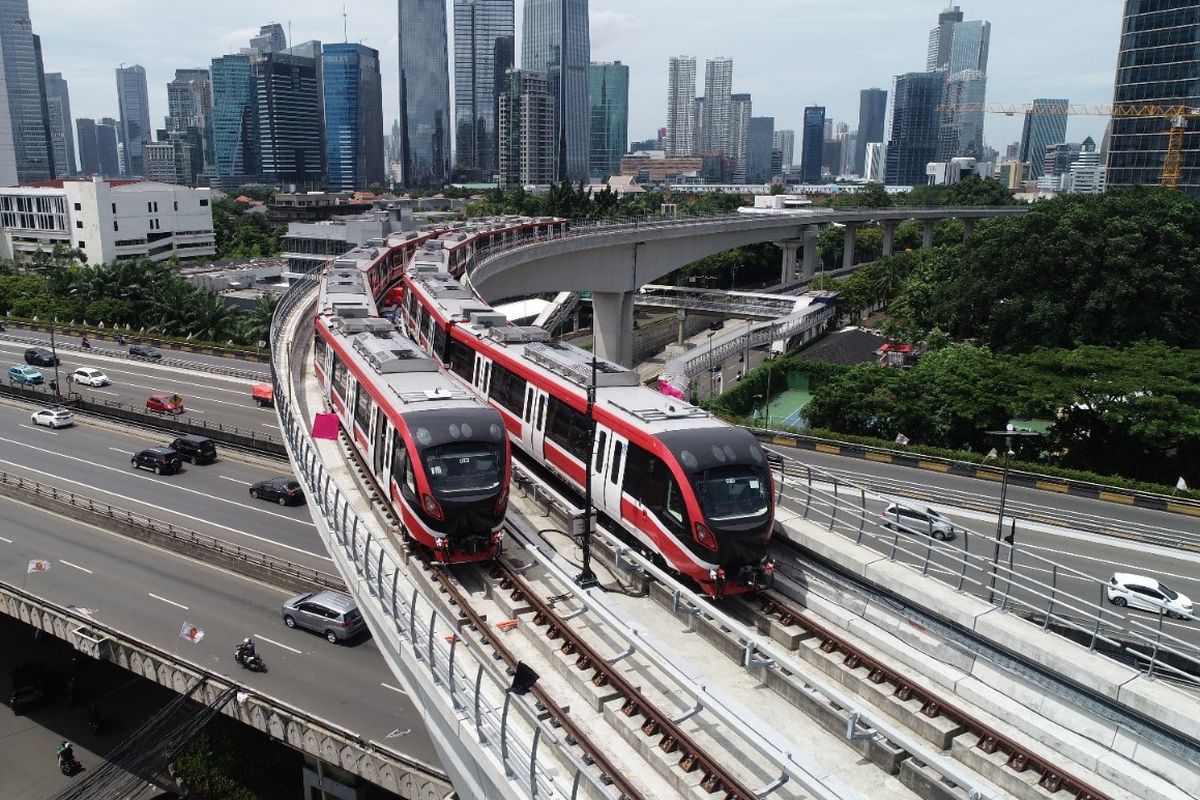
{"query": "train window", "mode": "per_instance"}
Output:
(410, 305)
(461, 359)
(339, 377)
(675, 509)
(507, 389)
(528, 417)
(601, 441)
(568, 428)
(430, 325)
(319, 348)
(362, 408)
(439, 344)
(541, 423)
(615, 467)
(423, 322)
(464, 468)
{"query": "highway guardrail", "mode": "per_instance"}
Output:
(142, 338)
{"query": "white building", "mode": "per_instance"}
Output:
(944, 173)
(875, 162)
(1087, 173)
(109, 220)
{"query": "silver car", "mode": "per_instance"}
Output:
(918, 520)
(331, 614)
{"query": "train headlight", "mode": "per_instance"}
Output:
(704, 536)
(431, 506)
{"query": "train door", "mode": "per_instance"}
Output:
(482, 375)
(380, 443)
(598, 474)
(534, 436)
(614, 476)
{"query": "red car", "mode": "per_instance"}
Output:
(164, 403)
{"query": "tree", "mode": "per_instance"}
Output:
(207, 316)
(255, 325)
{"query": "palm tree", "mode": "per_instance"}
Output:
(207, 316)
(167, 307)
(255, 326)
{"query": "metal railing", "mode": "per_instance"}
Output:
(512, 751)
(983, 565)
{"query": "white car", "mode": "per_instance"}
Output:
(1148, 594)
(53, 418)
(90, 377)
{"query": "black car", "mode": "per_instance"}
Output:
(144, 351)
(285, 491)
(195, 449)
(41, 357)
(28, 687)
(163, 460)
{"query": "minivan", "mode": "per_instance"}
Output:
(331, 614)
(918, 520)
(195, 449)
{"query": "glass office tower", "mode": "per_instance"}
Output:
(424, 93)
(133, 102)
(1045, 124)
(812, 148)
(556, 40)
(287, 104)
(353, 116)
(609, 88)
(232, 117)
(1157, 63)
(26, 152)
(915, 127)
(484, 41)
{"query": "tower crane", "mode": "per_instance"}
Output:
(1176, 116)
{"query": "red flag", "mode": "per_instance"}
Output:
(325, 426)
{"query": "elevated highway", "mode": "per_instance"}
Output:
(614, 261)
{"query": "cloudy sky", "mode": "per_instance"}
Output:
(787, 53)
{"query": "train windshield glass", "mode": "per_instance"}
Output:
(732, 493)
(462, 468)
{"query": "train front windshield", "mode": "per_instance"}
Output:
(464, 468)
(732, 494)
(727, 470)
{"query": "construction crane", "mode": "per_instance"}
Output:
(1177, 117)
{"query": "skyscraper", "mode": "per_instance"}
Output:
(484, 50)
(785, 143)
(235, 139)
(353, 116)
(718, 87)
(872, 113)
(89, 153)
(1087, 173)
(556, 40)
(969, 46)
(1156, 63)
(528, 130)
(681, 107)
(270, 39)
(108, 147)
(813, 145)
(759, 143)
(940, 39)
(62, 139)
(424, 92)
(133, 102)
(961, 132)
(740, 109)
(26, 152)
(288, 107)
(609, 88)
(189, 118)
(915, 126)
(1043, 127)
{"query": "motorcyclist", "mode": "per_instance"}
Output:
(120, 340)
(66, 754)
(245, 650)
(84, 343)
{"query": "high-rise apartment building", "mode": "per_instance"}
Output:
(62, 138)
(740, 109)
(681, 107)
(785, 142)
(528, 130)
(235, 139)
(288, 120)
(556, 40)
(26, 150)
(133, 103)
(424, 93)
(353, 116)
(759, 144)
(812, 148)
(915, 127)
(872, 113)
(484, 50)
(1045, 124)
(1157, 63)
(609, 89)
(718, 89)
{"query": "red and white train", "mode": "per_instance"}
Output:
(694, 490)
(441, 454)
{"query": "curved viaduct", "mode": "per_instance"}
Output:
(614, 261)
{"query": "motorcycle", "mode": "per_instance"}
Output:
(85, 344)
(70, 766)
(254, 662)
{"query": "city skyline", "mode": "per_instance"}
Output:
(1077, 60)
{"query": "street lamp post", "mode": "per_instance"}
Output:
(587, 578)
(712, 382)
(54, 358)
(1008, 433)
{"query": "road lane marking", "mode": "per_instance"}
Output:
(169, 511)
(76, 566)
(278, 644)
(265, 425)
(165, 600)
(393, 688)
(36, 428)
(119, 450)
(9, 541)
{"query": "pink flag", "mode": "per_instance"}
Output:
(325, 426)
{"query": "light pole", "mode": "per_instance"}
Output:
(1008, 433)
(587, 578)
(54, 358)
(712, 382)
